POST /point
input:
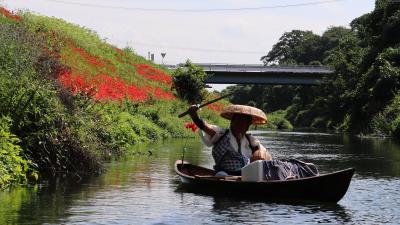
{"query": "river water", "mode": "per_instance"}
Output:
(144, 190)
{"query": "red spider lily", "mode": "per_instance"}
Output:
(153, 74)
(119, 51)
(102, 87)
(104, 81)
(216, 107)
(76, 84)
(9, 14)
(115, 89)
(191, 125)
(93, 60)
(109, 88)
(137, 95)
(100, 65)
(162, 95)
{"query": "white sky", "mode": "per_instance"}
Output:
(240, 37)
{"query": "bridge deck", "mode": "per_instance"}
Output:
(259, 74)
(266, 69)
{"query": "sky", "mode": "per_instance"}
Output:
(204, 31)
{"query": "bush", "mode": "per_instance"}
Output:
(189, 83)
(277, 120)
(32, 100)
(13, 165)
(396, 128)
(319, 122)
(387, 122)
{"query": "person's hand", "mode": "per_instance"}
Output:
(193, 111)
(260, 155)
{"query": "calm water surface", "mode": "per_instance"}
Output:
(145, 190)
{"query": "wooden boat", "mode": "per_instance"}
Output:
(325, 188)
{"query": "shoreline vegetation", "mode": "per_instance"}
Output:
(362, 97)
(69, 101)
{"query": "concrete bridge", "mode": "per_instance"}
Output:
(260, 74)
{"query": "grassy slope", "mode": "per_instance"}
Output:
(72, 101)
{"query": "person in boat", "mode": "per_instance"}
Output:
(233, 148)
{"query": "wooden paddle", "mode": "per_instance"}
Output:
(205, 104)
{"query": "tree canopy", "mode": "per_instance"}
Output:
(363, 93)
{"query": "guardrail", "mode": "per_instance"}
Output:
(253, 65)
(221, 67)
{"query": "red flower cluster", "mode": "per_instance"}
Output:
(119, 51)
(76, 84)
(106, 82)
(153, 74)
(104, 87)
(109, 88)
(136, 94)
(216, 107)
(161, 94)
(191, 125)
(94, 60)
(9, 14)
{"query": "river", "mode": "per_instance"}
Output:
(144, 190)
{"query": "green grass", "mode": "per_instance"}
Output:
(47, 130)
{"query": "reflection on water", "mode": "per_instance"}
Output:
(145, 190)
(296, 212)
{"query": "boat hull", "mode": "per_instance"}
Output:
(326, 188)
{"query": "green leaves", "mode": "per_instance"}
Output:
(66, 134)
(367, 63)
(387, 122)
(189, 82)
(13, 166)
(297, 47)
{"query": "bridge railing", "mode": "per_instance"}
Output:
(222, 67)
(262, 68)
(251, 65)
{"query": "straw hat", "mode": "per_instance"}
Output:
(258, 115)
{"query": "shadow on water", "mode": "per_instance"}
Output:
(238, 210)
(38, 204)
(236, 207)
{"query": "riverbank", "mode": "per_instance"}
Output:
(69, 101)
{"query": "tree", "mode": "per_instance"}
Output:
(366, 59)
(268, 98)
(302, 47)
(331, 38)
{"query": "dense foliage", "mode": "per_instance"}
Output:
(13, 166)
(189, 82)
(362, 96)
(69, 101)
